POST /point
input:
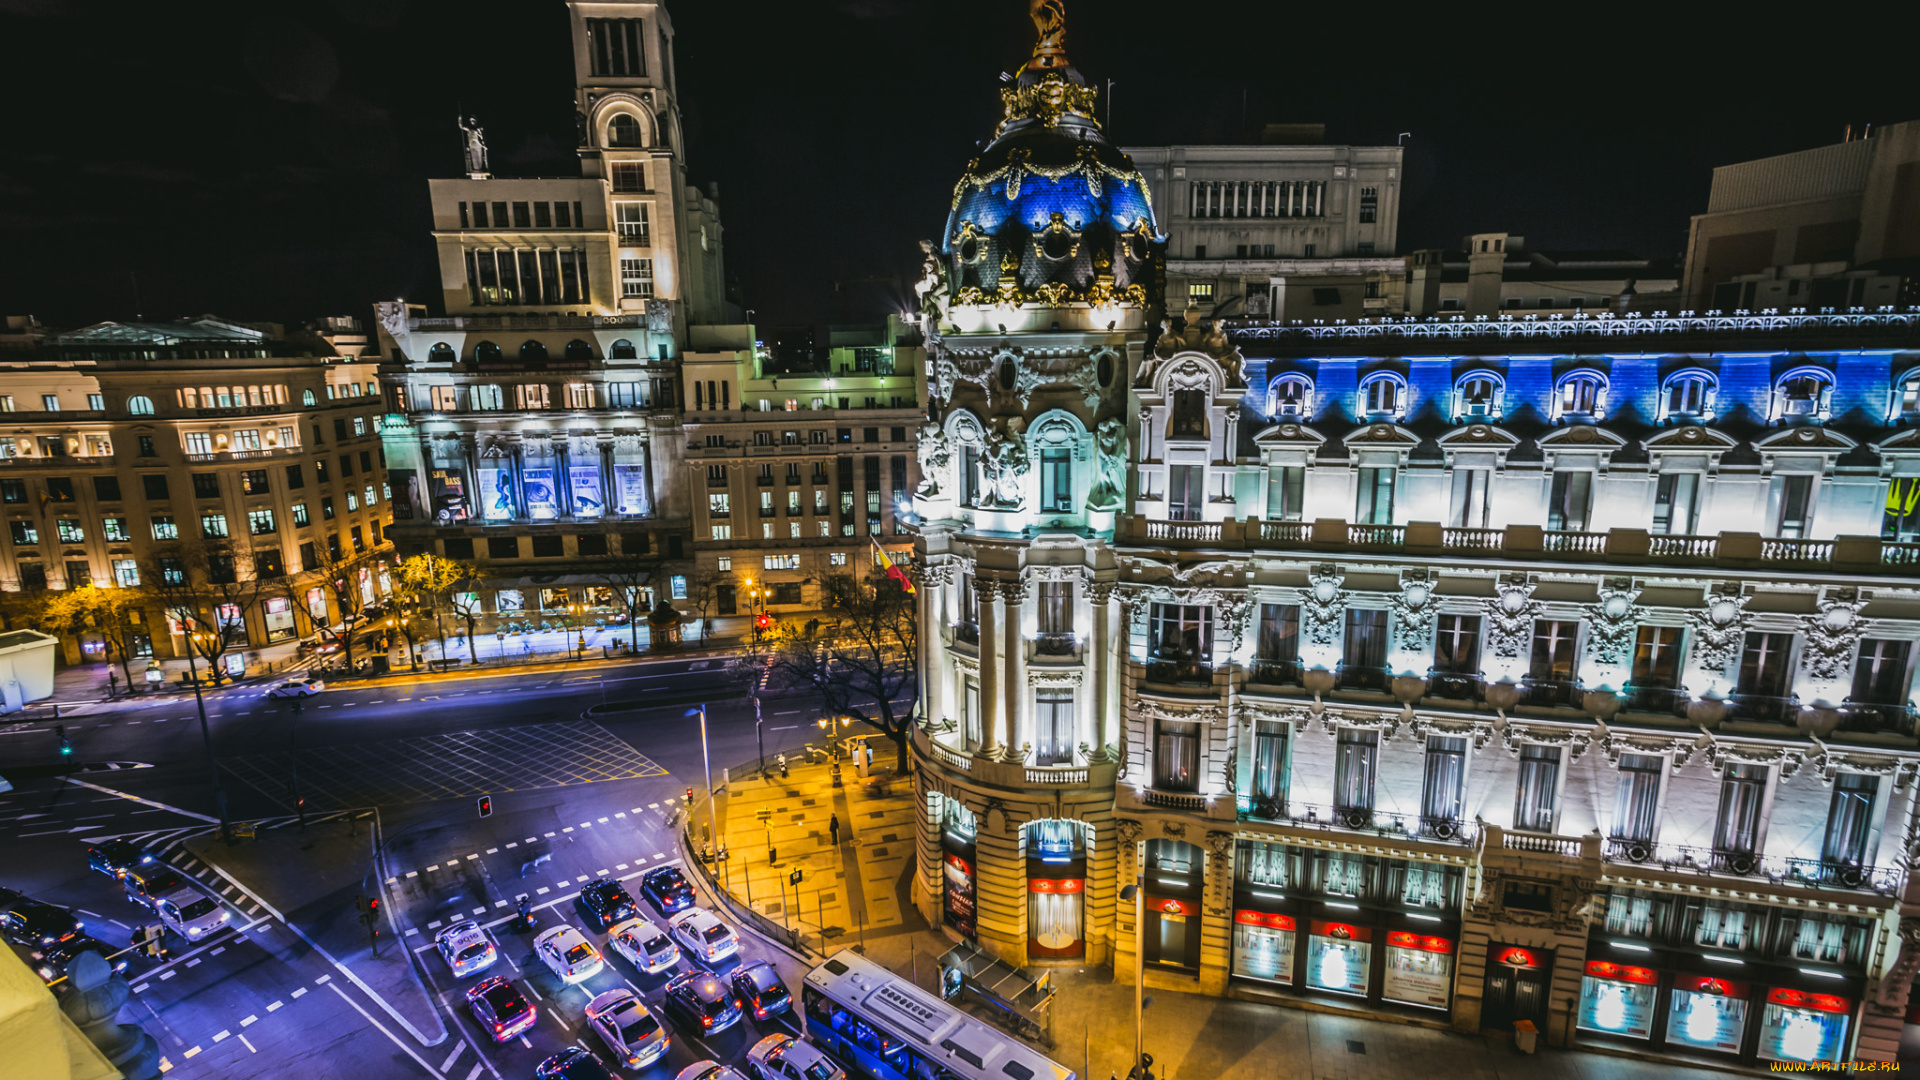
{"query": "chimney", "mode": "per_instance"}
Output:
(1486, 258)
(1423, 282)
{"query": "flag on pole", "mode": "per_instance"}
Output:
(894, 572)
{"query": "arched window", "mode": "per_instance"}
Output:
(486, 352)
(1479, 395)
(307, 398)
(226, 397)
(486, 397)
(253, 395)
(1803, 394)
(1906, 398)
(139, 405)
(189, 398)
(1688, 395)
(624, 130)
(1383, 394)
(622, 350)
(1290, 395)
(1580, 395)
(441, 353)
(579, 351)
(532, 352)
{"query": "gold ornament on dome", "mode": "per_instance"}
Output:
(1086, 163)
(1053, 293)
(969, 231)
(1050, 35)
(1047, 100)
(1056, 242)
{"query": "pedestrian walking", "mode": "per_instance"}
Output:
(833, 828)
(782, 759)
(113, 683)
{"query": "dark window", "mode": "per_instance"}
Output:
(1570, 502)
(317, 440)
(146, 445)
(1189, 418)
(106, 488)
(59, 489)
(1764, 668)
(339, 429)
(548, 547)
(153, 487)
(593, 544)
(1880, 674)
(503, 547)
(1365, 645)
(1535, 798)
(615, 47)
(359, 542)
(320, 469)
(333, 546)
(1279, 637)
(1056, 479)
(267, 563)
(1186, 490)
(636, 543)
(309, 559)
(1355, 755)
(1656, 657)
(254, 482)
(1456, 644)
(346, 464)
(206, 485)
(1553, 650)
(220, 569)
(296, 476)
(458, 547)
(522, 219)
(1442, 794)
(1850, 819)
(1738, 830)
(366, 461)
(1636, 797)
(15, 491)
(844, 434)
(326, 508)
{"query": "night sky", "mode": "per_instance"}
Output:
(268, 161)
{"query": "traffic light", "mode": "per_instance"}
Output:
(763, 622)
(486, 805)
(373, 905)
(689, 796)
(66, 747)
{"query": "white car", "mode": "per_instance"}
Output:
(633, 1034)
(783, 1057)
(569, 954)
(191, 914)
(709, 1070)
(703, 936)
(295, 688)
(467, 948)
(648, 946)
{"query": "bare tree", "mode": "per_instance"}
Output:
(859, 665)
(626, 576)
(703, 591)
(207, 587)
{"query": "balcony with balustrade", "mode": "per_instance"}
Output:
(1317, 818)
(1750, 868)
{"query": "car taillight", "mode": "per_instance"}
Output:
(499, 1027)
(706, 1021)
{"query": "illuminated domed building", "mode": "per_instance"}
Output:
(1037, 300)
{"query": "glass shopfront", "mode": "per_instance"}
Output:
(1339, 957)
(1799, 1026)
(957, 850)
(1419, 970)
(1616, 999)
(1176, 872)
(1707, 1013)
(1516, 987)
(1263, 946)
(1056, 889)
(278, 616)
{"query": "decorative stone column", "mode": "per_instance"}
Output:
(987, 591)
(1216, 931)
(1101, 646)
(1126, 868)
(1017, 728)
(1000, 884)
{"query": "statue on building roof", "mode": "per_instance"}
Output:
(476, 149)
(1050, 26)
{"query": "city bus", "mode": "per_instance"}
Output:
(891, 1029)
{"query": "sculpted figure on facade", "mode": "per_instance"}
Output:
(1719, 629)
(1006, 464)
(476, 144)
(935, 454)
(1109, 489)
(930, 291)
(1510, 618)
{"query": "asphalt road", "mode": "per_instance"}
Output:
(264, 998)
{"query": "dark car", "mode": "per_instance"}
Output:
(30, 922)
(702, 1002)
(668, 889)
(115, 857)
(500, 1007)
(52, 961)
(572, 1063)
(761, 991)
(608, 902)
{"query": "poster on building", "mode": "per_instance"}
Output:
(449, 496)
(496, 494)
(543, 499)
(583, 485)
(630, 490)
(405, 484)
(959, 895)
(1419, 970)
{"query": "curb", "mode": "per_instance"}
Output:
(778, 937)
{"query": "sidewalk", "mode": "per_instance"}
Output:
(93, 680)
(858, 897)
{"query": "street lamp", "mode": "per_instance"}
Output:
(206, 734)
(706, 764)
(1137, 893)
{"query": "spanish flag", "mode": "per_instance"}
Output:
(886, 564)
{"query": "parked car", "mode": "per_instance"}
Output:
(297, 688)
(500, 1007)
(191, 914)
(467, 948)
(146, 884)
(53, 961)
(115, 857)
(608, 902)
(646, 945)
(572, 1063)
(568, 954)
(702, 1002)
(709, 1070)
(760, 990)
(703, 936)
(29, 922)
(668, 889)
(783, 1057)
(633, 1034)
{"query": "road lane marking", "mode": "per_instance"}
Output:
(90, 914)
(458, 1049)
(393, 881)
(190, 1053)
(542, 890)
(218, 951)
(650, 806)
(548, 836)
(490, 851)
(323, 980)
(249, 1045)
(557, 1020)
(567, 829)
(165, 975)
(481, 910)
(600, 873)
(298, 993)
(434, 925)
(141, 987)
(513, 844)
(413, 931)
(476, 1069)
(622, 813)
(223, 1036)
(581, 878)
(602, 821)
(435, 866)
(535, 839)
(619, 866)
(538, 996)
(250, 1021)
(276, 1006)
(525, 1043)
(413, 873)
(195, 962)
(470, 858)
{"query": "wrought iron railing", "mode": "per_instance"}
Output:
(1764, 709)
(1364, 820)
(1056, 644)
(1824, 873)
(1865, 717)
(1179, 673)
(1551, 693)
(1275, 672)
(1362, 677)
(1641, 697)
(1456, 685)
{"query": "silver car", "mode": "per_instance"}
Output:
(467, 948)
(191, 914)
(648, 946)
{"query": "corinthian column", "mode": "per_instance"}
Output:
(987, 592)
(1100, 649)
(1015, 727)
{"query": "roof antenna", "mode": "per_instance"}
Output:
(1402, 140)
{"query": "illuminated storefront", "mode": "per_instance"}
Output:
(957, 831)
(1707, 1013)
(1339, 957)
(1516, 987)
(1263, 946)
(1418, 971)
(1799, 1026)
(1176, 874)
(1618, 999)
(1056, 889)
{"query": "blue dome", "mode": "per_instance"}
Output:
(1117, 201)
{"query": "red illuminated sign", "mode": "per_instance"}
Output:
(1520, 958)
(1342, 931)
(1800, 999)
(960, 864)
(1177, 907)
(1601, 969)
(1052, 886)
(1402, 939)
(1261, 918)
(1706, 984)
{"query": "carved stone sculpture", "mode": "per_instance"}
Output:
(1109, 489)
(476, 145)
(1719, 630)
(931, 289)
(94, 1002)
(1006, 465)
(935, 454)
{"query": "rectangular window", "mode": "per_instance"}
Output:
(254, 482)
(260, 522)
(1270, 768)
(1056, 480)
(1355, 757)
(247, 439)
(106, 488)
(59, 489)
(1570, 501)
(1180, 634)
(718, 503)
(69, 531)
(1849, 820)
(1468, 510)
(1186, 491)
(1901, 519)
(1373, 503)
(628, 176)
(1443, 791)
(1656, 657)
(50, 402)
(1364, 649)
(1553, 650)
(636, 277)
(1741, 793)
(326, 508)
(1538, 790)
(1880, 674)
(1765, 665)
(1279, 637)
(1794, 496)
(320, 470)
(213, 526)
(199, 442)
(126, 573)
(24, 532)
(114, 529)
(164, 527)
(1456, 644)
(1056, 608)
(1636, 797)
(1053, 726)
(1176, 758)
(15, 491)
(206, 485)
(630, 218)
(1369, 205)
(1188, 419)
(1676, 504)
(1286, 492)
(615, 46)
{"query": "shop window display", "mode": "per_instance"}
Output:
(1616, 999)
(1419, 970)
(1707, 1013)
(1263, 946)
(1338, 957)
(1798, 1026)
